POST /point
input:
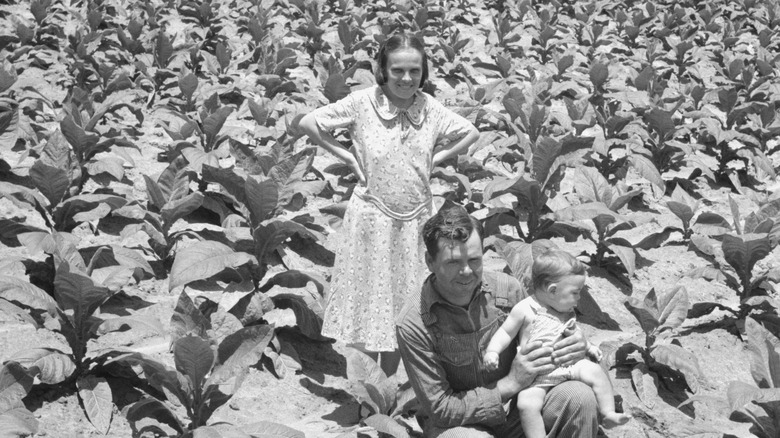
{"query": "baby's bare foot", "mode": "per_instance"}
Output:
(613, 419)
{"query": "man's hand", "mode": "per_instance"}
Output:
(571, 348)
(531, 360)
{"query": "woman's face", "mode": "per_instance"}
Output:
(404, 73)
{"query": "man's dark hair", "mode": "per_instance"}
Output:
(395, 42)
(450, 223)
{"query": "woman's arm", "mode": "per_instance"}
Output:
(325, 140)
(454, 148)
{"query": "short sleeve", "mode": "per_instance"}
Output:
(340, 114)
(452, 126)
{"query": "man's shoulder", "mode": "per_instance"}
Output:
(506, 289)
(411, 311)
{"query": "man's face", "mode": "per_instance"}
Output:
(457, 268)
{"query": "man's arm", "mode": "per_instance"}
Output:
(447, 407)
(484, 405)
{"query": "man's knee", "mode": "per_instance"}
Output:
(459, 432)
(573, 398)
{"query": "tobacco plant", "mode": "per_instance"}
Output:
(735, 256)
(15, 418)
(56, 180)
(75, 314)
(657, 355)
(169, 199)
(383, 401)
(212, 357)
(758, 404)
(685, 207)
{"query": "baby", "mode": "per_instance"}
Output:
(557, 280)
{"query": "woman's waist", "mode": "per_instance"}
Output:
(397, 204)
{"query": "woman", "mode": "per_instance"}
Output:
(399, 135)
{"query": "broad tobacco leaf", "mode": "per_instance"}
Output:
(51, 181)
(742, 253)
(251, 307)
(50, 365)
(194, 358)
(267, 429)
(174, 181)
(188, 319)
(645, 385)
(758, 406)
(307, 305)
(378, 391)
(85, 208)
(22, 292)
(520, 256)
(764, 348)
(78, 296)
(134, 321)
(289, 172)
(648, 171)
(202, 260)
(12, 312)
(284, 357)
(262, 199)
(625, 252)
(335, 87)
(386, 424)
(680, 359)
(176, 209)
(15, 384)
(591, 185)
(150, 410)
(82, 141)
(667, 310)
(213, 124)
(274, 232)
(9, 121)
(239, 351)
(711, 224)
(95, 395)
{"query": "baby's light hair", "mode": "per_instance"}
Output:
(552, 265)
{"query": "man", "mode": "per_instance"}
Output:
(443, 332)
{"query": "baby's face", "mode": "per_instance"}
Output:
(567, 293)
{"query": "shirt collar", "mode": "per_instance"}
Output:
(431, 296)
(386, 110)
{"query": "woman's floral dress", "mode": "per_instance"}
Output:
(381, 257)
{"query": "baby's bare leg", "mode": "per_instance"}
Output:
(529, 403)
(592, 374)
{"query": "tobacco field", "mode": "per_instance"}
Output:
(166, 235)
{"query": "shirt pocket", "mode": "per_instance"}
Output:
(457, 350)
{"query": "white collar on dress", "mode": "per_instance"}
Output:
(415, 113)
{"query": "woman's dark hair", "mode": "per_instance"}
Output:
(395, 42)
(449, 223)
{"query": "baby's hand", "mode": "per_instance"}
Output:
(595, 352)
(491, 360)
